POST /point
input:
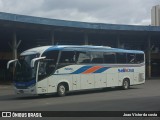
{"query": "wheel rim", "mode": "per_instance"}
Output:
(125, 84)
(62, 89)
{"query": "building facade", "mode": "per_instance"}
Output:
(155, 15)
(20, 32)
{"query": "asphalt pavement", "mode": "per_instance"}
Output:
(144, 97)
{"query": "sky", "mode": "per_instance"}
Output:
(130, 12)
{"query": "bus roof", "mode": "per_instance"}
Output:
(40, 50)
(92, 48)
(35, 50)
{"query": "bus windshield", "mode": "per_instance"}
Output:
(23, 70)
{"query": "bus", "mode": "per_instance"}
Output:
(64, 68)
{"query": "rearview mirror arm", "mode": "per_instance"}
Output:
(11, 61)
(36, 59)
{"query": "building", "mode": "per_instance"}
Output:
(20, 32)
(155, 15)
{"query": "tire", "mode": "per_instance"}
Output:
(126, 84)
(61, 90)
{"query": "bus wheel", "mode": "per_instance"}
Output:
(125, 84)
(61, 90)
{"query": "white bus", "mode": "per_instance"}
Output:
(60, 69)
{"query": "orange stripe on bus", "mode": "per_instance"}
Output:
(92, 69)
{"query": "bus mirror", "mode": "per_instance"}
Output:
(11, 61)
(36, 59)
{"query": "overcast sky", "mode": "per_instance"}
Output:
(134, 12)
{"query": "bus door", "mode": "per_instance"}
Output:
(46, 83)
(42, 80)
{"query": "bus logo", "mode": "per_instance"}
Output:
(68, 68)
(125, 70)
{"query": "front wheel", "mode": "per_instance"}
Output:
(61, 90)
(125, 84)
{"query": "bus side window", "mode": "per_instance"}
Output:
(82, 57)
(139, 58)
(109, 57)
(67, 57)
(96, 57)
(121, 58)
(131, 57)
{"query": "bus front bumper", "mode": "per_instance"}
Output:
(29, 91)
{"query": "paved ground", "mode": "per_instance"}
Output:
(142, 97)
(139, 98)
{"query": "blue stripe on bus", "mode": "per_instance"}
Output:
(101, 70)
(82, 69)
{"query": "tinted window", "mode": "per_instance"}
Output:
(96, 57)
(67, 57)
(82, 57)
(131, 58)
(47, 66)
(109, 57)
(51, 55)
(121, 58)
(139, 58)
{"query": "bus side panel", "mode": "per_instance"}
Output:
(124, 75)
(51, 84)
(112, 77)
(139, 75)
(63, 79)
(100, 80)
(47, 85)
(76, 82)
(42, 86)
(87, 81)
